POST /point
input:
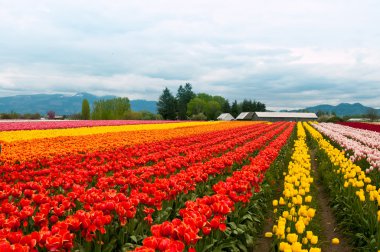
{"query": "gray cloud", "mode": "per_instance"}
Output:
(289, 55)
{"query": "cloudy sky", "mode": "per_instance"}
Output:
(287, 54)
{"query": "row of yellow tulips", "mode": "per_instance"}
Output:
(293, 209)
(353, 175)
(352, 192)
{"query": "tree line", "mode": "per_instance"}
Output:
(114, 109)
(14, 115)
(187, 105)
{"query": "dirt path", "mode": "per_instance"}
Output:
(328, 223)
(264, 244)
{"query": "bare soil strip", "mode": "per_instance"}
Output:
(328, 223)
(264, 244)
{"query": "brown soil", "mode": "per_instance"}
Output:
(264, 244)
(328, 223)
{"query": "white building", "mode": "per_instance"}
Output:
(284, 116)
(247, 116)
(225, 117)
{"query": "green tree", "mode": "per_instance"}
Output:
(260, 107)
(219, 99)
(112, 109)
(166, 105)
(85, 110)
(199, 117)
(226, 108)
(246, 106)
(235, 109)
(213, 109)
(184, 95)
(372, 114)
(205, 97)
(196, 106)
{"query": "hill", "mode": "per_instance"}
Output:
(342, 109)
(61, 104)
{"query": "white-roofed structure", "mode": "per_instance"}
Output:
(284, 116)
(225, 117)
(245, 116)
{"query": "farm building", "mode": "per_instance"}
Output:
(247, 116)
(225, 117)
(284, 116)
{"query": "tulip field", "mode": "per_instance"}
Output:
(186, 186)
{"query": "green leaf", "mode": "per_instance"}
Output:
(133, 238)
(232, 225)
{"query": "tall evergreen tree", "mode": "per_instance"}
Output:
(226, 108)
(235, 109)
(246, 106)
(184, 95)
(166, 105)
(85, 110)
(261, 107)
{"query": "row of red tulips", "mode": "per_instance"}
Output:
(126, 157)
(35, 218)
(365, 126)
(53, 175)
(208, 213)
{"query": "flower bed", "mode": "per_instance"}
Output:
(88, 200)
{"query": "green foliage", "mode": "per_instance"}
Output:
(199, 117)
(334, 119)
(252, 106)
(142, 115)
(113, 109)
(205, 97)
(85, 110)
(196, 106)
(226, 108)
(211, 106)
(372, 114)
(235, 109)
(186, 105)
(77, 116)
(213, 110)
(184, 95)
(13, 115)
(167, 105)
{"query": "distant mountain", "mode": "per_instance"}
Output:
(61, 104)
(140, 105)
(343, 109)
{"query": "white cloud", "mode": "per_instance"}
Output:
(286, 53)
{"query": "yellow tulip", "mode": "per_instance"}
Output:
(296, 247)
(292, 237)
(335, 241)
(275, 203)
(311, 212)
(315, 250)
(314, 240)
(268, 234)
(308, 199)
(309, 235)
